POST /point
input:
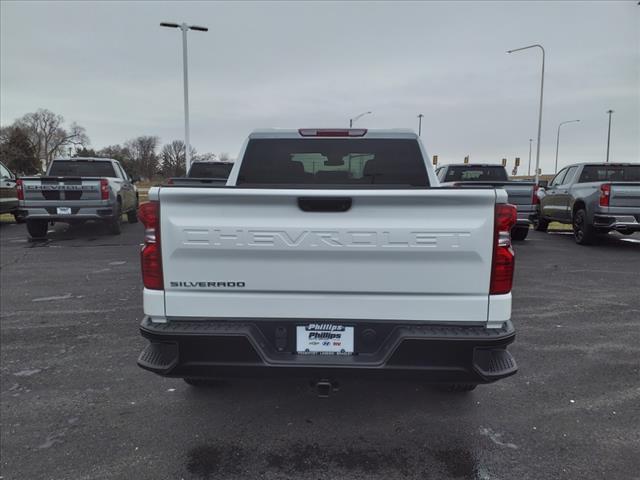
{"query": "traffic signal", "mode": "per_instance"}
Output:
(517, 161)
(504, 162)
(435, 159)
(466, 159)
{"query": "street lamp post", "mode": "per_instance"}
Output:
(558, 142)
(420, 124)
(185, 74)
(529, 167)
(540, 109)
(609, 134)
(351, 120)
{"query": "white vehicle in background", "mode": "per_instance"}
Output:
(328, 254)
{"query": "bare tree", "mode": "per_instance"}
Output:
(143, 156)
(173, 158)
(16, 151)
(48, 136)
(205, 157)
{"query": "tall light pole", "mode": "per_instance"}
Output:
(529, 167)
(558, 142)
(351, 120)
(420, 124)
(185, 74)
(609, 134)
(540, 109)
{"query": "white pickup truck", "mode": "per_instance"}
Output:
(329, 254)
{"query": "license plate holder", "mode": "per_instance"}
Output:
(324, 339)
(63, 210)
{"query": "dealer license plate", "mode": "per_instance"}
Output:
(324, 339)
(64, 210)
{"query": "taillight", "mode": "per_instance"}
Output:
(535, 200)
(332, 132)
(503, 256)
(20, 189)
(605, 194)
(104, 189)
(151, 254)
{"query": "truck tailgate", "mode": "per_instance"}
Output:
(417, 255)
(625, 194)
(61, 188)
(518, 193)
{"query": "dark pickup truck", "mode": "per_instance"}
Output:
(215, 173)
(595, 198)
(522, 194)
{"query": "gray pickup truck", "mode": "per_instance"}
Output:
(596, 198)
(522, 194)
(77, 190)
(207, 173)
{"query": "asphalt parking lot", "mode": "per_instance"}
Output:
(74, 404)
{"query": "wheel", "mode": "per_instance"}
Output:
(37, 228)
(519, 233)
(541, 224)
(114, 223)
(460, 387)
(583, 232)
(132, 216)
(19, 218)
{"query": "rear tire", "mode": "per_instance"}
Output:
(37, 228)
(518, 234)
(460, 387)
(114, 223)
(583, 232)
(132, 216)
(541, 224)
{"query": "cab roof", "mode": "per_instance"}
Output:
(400, 133)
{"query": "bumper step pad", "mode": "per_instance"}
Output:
(159, 357)
(494, 364)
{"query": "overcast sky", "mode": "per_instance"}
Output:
(112, 69)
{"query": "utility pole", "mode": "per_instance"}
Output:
(185, 78)
(351, 120)
(420, 124)
(529, 167)
(558, 143)
(609, 134)
(540, 109)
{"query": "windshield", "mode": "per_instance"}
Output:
(210, 170)
(333, 162)
(469, 173)
(81, 168)
(604, 173)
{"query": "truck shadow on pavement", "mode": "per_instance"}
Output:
(352, 434)
(86, 232)
(611, 240)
